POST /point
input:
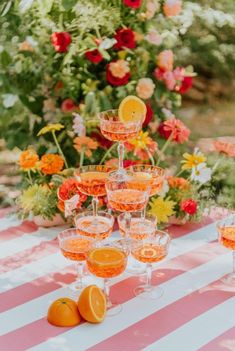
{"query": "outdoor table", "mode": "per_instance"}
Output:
(196, 311)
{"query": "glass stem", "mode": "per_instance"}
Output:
(79, 274)
(107, 292)
(143, 213)
(233, 272)
(149, 275)
(95, 203)
(127, 224)
(120, 155)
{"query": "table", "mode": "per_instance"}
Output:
(196, 311)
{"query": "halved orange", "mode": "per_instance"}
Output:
(106, 255)
(92, 304)
(132, 109)
(63, 313)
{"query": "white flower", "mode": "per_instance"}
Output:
(201, 173)
(164, 189)
(78, 125)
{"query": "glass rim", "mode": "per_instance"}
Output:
(162, 170)
(87, 213)
(75, 234)
(104, 246)
(86, 167)
(101, 116)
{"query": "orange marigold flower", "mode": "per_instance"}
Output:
(66, 191)
(28, 159)
(86, 144)
(51, 164)
(178, 183)
(225, 147)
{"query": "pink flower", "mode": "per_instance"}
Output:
(119, 68)
(169, 79)
(175, 129)
(165, 60)
(145, 88)
(172, 8)
(154, 37)
(151, 8)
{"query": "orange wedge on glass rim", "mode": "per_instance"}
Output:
(92, 304)
(132, 109)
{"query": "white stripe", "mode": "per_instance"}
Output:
(7, 222)
(27, 241)
(33, 270)
(136, 309)
(206, 327)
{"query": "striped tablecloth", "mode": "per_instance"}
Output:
(196, 312)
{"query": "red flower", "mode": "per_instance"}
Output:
(149, 115)
(68, 105)
(186, 85)
(125, 39)
(189, 206)
(116, 81)
(61, 41)
(128, 163)
(68, 189)
(94, 56)
(103, 142)
(176, 128)
(135, 4)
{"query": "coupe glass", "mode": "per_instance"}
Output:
(75, 247)
(108, 261)
(140, 228)
(154, 174)
(226, 230)
(150, 250)
(113, 129)
(91, 181)
(99, 229)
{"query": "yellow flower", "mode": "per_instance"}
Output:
(162, 209)
(193, 160)
(50, 128)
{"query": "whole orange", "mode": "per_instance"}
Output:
(92, 304)
(63, 313)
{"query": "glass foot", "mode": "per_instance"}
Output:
(229, 279)
(113, 309)
(148, 292)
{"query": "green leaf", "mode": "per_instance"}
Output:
(5, 58)
(5, 8)
(45, 6)
(105, 54)
(35, 106)
(68, 4)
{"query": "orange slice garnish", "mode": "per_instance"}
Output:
(132, 109)
(148, 252)
(92, 304)
(106, 255)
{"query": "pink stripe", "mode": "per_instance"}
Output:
(122, 292)
(159, 324)
(36, 288)
(225, 341)
(180, 230)
(25, 227)
(27, 256)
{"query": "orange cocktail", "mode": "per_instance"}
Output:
(92, 179)
(140, 227)
(99, 227)
(150, 250)
(226, 230)
(75, 247)
(155, 175)
(106, 262)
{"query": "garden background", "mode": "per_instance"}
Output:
(42, 81)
